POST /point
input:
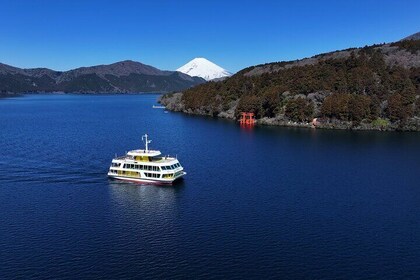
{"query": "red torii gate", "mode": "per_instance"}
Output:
(247, 118)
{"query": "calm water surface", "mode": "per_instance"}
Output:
(262, 203)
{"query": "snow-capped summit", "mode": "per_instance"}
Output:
(204, 68)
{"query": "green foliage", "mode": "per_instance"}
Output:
(348, 107)
(336, 106)
(299, 110)
(249, 103)
(380, 123)
(359, 79)
(398, 109)
(359, 107)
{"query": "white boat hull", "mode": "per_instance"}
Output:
(146, 181)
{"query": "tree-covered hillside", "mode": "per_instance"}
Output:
(355, 85)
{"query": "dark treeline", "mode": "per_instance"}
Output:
(356, 87)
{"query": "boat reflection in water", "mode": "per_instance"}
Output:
(143, 196)
(144, 204)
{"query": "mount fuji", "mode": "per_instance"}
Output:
(204, 68)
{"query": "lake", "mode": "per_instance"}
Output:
(266, 202)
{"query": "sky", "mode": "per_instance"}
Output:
(62, 35)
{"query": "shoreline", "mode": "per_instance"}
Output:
(174, 103)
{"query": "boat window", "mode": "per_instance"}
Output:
(152, 175)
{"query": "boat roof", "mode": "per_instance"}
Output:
(144, 153)
(166, 159)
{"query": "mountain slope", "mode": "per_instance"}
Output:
(415, 36)
(121, 77)
(376, 87)
(201, 67)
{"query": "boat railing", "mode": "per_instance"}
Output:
(124, 157)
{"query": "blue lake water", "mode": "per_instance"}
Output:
(256, 203)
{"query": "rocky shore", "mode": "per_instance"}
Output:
(174, 102)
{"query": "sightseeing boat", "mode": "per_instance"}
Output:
(146, 166)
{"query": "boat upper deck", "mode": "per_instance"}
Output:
(131, 158)
(144, 153)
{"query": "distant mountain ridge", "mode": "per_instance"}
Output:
(120, 77)
(202, 67)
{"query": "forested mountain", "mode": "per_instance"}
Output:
(374, 86)
(121, 77)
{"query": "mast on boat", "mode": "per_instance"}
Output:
(146, 142)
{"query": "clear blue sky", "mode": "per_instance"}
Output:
(166, 34)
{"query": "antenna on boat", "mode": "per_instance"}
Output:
(146, 142)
